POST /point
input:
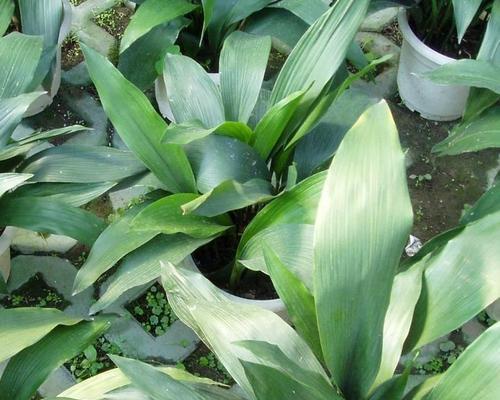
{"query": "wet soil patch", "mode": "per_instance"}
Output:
(203, 363)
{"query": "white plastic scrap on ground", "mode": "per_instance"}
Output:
(413, 246)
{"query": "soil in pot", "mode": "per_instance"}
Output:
(215, 260)
(443, 37)
(35, 293)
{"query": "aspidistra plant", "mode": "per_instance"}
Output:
(227, 150)
(356, 307)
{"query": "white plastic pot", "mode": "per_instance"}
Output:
(432, 101)
(5, 240)
(162, 95)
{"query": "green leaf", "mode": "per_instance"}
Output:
(229, 196)
(490, 44)
(216, 159)
(363, 222)
(292, 243)
(27, 370)
(154, 383)
(138, 62)
(309, 11)
(478, 134)
(12, 112)
(9, 181)
(166, 216)
(50, 216)
(19, 55)
(420, 391)
(43, 18)
(74, 194)
(220, 323)
(39, 136)
(474, 375)
(143, 265)
(22, 327)
(243, 63)
(117, 240)
(96, 387)
(460, 280)
(6, 13)
(476, 73)
(190, 131)
(151, 14)
(191, 93)
(489, 203)
(464, 10)
(272, 384)
(297, 206)
(320, 52)
(271, 127)
(82, 164)
(138, 124)
(404, 296)
(298, 300)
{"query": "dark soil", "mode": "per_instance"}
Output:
(100, 207)
(393, 33)
(215, 261)
(445, 40)
(115, 20)
(153, 311)
(202, 362)
(77, 255)
(35, 293)
(72, 54)
(440, 187)
(275, 63)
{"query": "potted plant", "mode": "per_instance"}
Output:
(436, 33)
(218, 165)
(355, 311)
(51, 21)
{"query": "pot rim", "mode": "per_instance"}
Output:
(419, 46)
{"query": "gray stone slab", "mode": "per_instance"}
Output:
(29, 242)
(57, 273)
(173, 346)
(472, 330)
(377, 21)
(494, 310)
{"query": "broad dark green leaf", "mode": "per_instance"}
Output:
(216, 159)
(151, 14)
(143, 265)
(74, 194)
(362, 225)
(9, 181)
(320, 52)
(476, 73)
(166, 216)
(292, 243)
(272, 384)
(117, 240)
(243, 63)
(229, 196)
(6, 12)
(50, 216)
(272, 125)
(153, 382)
(12, 112)
(138, 124)
(308, 11)
(73, 163)
(464, 10)
(478, 134)
(187, 132)
(298, 300)
(27, 370)
(460, 280)
(297, 206)
(489, 203)
(138, 62)
(490, 45)
(191, 93)
(220, 323)
(474, 375)
(22, 327)
(19, 55)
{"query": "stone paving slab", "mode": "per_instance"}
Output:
(29, 242)
(177, 343)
